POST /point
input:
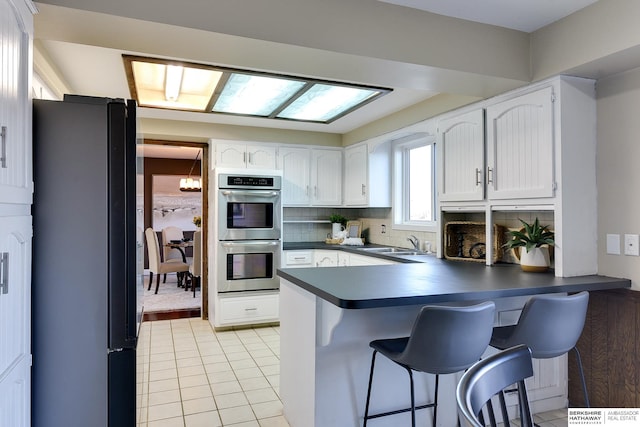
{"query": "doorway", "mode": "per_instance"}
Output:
(165, 163)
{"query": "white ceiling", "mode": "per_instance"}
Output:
(90, 67)
(522, 15)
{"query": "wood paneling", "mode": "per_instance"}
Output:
(609, 346)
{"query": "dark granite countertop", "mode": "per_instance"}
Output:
(432, 281)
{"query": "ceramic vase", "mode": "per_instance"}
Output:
(536, 260)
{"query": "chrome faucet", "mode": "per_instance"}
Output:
(414, 241)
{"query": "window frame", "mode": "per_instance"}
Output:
(400, 179)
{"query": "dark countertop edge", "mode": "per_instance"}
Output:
(602, 283)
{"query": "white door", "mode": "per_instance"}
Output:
(15, 126)
(295, 165)
(520, 147)
(326, 177)
(355, 176)
(462, 151)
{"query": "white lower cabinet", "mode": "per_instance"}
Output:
(15, 298)
(353, 260)
(15, 389)
(243, 310)
(297, 259)
(328, 258)
(323, 258)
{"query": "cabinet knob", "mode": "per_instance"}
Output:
(363, 188)
(478, 177)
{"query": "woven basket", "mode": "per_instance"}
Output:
(466, 241)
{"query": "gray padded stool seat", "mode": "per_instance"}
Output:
(550, 325)
(491, 376)
(443, 340)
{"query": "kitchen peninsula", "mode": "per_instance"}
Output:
(328, 316)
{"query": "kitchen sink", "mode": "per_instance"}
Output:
(393, 251)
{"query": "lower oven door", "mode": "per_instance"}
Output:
(248, 265)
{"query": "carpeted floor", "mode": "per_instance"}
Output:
(169, 296)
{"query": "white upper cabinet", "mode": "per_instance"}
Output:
(311, 176)
(326, 177)
(367, 178)
(244, 155)
(295, 164)
(520, 147)
(461, 141)
(16, 184)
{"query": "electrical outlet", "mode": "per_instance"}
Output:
(632, 244)
(383, 229)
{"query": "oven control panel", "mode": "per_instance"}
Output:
(249, 181)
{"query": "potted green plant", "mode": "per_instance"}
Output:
(338, 224)
(535, 239)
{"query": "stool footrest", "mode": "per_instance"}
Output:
(399, 411)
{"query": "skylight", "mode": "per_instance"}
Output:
(194, 87)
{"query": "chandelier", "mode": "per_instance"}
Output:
(189, 184)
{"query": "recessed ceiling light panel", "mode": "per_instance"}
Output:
(323, 102)
(255, 95)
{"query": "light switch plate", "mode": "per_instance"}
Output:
(613, 244)
(632, 244)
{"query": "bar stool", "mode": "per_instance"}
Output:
(550, 325)
(443, 340)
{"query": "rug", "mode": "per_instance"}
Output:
(169, 296)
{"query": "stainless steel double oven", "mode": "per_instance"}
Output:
(249, 228)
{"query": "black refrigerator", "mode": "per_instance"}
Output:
(87, 276)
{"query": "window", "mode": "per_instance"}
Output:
(414, 182)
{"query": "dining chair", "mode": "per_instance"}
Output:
(171, 254)
(156, 265)
(195, 268)
(489, 377)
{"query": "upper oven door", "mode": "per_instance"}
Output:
(249, 214)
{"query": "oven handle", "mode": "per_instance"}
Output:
(252, 243)
(250, 193)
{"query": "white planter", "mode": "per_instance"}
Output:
(336, 230)
(536, 260)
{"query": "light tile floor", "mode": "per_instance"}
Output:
(191, 376)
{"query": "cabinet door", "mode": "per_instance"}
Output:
(520, 147)
(326, 177)
(261, 157)
(355, 176)
(15, 281)
(15, 116)
(462, 142)
(323, 258)
(295, 165)
(231, 155)
(15, 392)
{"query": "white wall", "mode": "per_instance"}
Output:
(618, 171)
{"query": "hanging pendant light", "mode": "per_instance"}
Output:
(189, 184)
